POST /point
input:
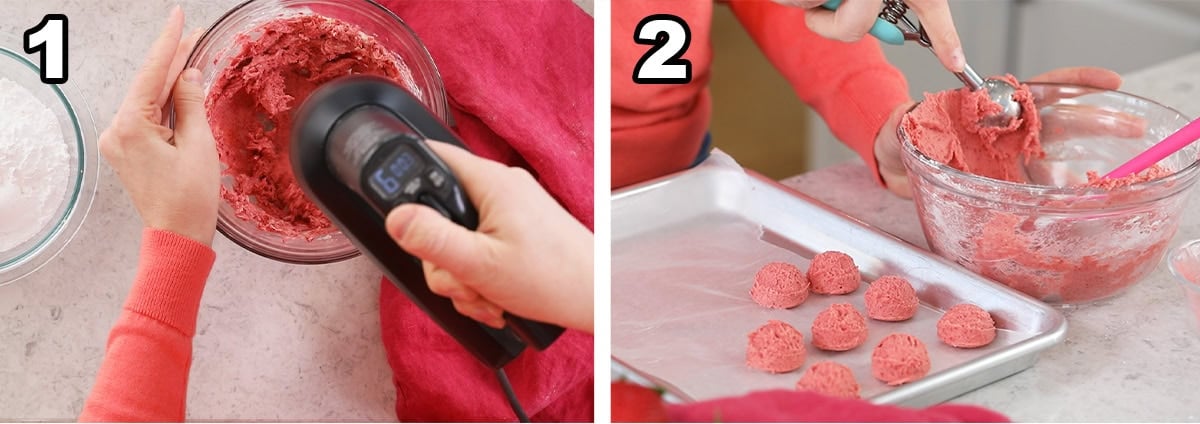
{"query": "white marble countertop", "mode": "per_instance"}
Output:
(1130, 358)
(274, 341)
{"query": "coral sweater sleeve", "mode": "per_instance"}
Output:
(851, 85)
(144, 374)
(657, 128)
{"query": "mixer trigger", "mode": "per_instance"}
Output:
(429, 200)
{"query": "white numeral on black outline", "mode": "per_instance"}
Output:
(49, 39)
(662, 64)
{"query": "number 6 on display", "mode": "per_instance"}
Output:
(50, 39)
(661, 64)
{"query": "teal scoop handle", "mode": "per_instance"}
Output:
(883, 30)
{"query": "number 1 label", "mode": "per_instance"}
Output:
(662, 64)
(49, 38)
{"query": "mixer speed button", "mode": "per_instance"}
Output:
(413, 186)
(436, 177)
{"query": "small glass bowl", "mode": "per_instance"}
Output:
(1061, 243)
(79, 133)
(218, 45)
(1184, 263)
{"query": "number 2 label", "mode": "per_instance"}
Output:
(662, 64)
(49, 38)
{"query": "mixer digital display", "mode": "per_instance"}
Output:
(391, 176)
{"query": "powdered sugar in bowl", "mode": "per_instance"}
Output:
(48, 166)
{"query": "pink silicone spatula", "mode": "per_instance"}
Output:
(1173, 143)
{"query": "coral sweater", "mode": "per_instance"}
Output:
(144, 375)
(658, 129)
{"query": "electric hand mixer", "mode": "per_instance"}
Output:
(358, 151)
(894, 27)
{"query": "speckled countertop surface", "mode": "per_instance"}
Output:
(274, 342)
(1135, 357)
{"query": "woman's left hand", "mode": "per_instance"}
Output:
(173, 177)
(887, 142)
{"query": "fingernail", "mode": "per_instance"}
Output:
(191, 75)
(496, 322)
(958, 59)
(489, 315)
(457, 293)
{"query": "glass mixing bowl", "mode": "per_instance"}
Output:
(79, 133)
(218, 45)
(1058, 242)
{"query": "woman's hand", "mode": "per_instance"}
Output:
(171, 176)
(887, 142)
(528, 257)
(853, 20)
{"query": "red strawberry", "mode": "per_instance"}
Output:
(632, 403)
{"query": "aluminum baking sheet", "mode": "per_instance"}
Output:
(685, 251)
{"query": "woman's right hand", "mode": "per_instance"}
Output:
(173, 177)
(528, 257)
(853, 20)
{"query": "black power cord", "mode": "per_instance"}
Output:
(511, 395)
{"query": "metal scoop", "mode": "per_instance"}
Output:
(998, 90)
(895, 12)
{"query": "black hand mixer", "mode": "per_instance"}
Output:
(358, 151)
